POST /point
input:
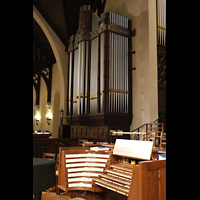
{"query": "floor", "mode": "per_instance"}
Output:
(50, 194)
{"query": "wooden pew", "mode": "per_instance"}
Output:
(46, 145)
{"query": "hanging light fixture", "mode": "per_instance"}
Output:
(37, 118)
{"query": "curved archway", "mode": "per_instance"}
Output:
(59, 52)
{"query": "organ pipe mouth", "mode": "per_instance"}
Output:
(84, 8)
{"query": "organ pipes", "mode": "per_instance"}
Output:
(161, 11)
(99, 65)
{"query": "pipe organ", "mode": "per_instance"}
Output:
(100, 82)
(161, 12)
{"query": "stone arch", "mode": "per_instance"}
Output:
(59, 53)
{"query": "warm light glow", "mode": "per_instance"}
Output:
(49, 116)
(37, 117)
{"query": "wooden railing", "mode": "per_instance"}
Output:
(46, 145)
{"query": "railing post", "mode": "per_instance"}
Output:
(163, 124)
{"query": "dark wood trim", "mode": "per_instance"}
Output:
(50, 24)
(130, 69)
(49, 6)
(66, 19)
(39, 67)
(37, 87)
(89, 67)
(98, 78)
(40, 47)
(161, 50)
(100, 119)
(68, 95)
(106, 68)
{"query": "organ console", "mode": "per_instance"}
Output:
(100, 84)
(127, 173)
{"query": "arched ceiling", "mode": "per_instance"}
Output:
(63, 17)
(41, 41)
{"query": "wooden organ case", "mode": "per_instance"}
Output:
(100, 80)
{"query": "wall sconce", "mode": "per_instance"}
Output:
(48, 117)
(37, 118)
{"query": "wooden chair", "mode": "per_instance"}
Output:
(57, 162)
(156, 129)
(81, 142)
(150, 136)
(163, 140)
(51, 156)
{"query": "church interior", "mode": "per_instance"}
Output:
(99, 99)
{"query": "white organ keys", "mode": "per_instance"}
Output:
(82, 167)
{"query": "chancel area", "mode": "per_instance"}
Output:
(99, 99)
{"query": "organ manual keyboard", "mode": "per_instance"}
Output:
(145, 180)
(77, 168)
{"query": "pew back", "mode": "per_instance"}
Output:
(46, 145)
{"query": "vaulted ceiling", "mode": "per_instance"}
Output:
(63, 17)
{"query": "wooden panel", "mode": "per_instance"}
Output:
(95, 132)
(161, 98)
(153, 185)
(89, 132)
(146, 181)
(153, 180)
(45, 145)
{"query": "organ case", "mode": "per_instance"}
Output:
(100, 82)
